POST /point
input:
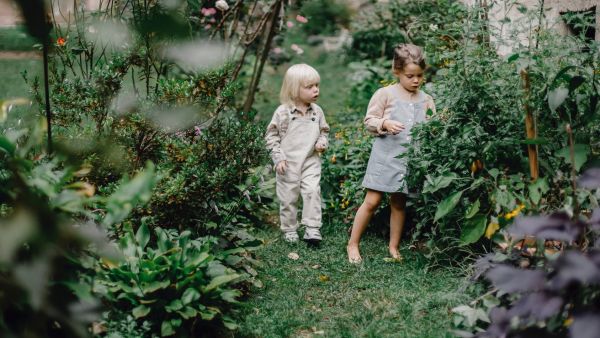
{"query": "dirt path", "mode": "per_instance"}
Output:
(9, 55)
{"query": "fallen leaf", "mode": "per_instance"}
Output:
(324, 278)
(316, 266)
(293, 255)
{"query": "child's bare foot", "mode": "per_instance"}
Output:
(395, 254)
(353, 254)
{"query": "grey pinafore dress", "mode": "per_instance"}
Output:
(386, 172)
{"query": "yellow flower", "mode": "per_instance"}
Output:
(333, 159)
(568, 321)
(514, 212)
(491, 230)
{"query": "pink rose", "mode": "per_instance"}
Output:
(290, 24)
(208, 11)
(301, 19)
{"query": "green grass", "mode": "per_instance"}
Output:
(330, 65)
(12, 83)
(321, 294)
(15, 39)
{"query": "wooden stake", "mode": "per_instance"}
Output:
(530, 128)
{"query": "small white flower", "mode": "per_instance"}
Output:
(222, 5)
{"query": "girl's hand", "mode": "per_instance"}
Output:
(319, 147)
(393, 127)
(281, 167)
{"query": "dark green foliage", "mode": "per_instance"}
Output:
(433, 24)
(325, 17)
(176, 283)
(207, 175)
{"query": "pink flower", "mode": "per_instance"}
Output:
(290, 24)
(297, 49)
(301, 19)
(277, 50)
(207, 27)
(222, 5)
(208, 11)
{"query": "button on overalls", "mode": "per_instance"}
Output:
(302, 176)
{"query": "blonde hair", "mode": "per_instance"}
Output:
(407, 53)
(295, 77)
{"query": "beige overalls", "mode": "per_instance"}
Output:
(303, 174)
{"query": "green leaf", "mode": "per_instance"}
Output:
(494, 172)
(447, 205)
(142, 236)
(473, 229)
(175, 305)
(141, 311)
(229, 323)
(581, 152)
(188, 312)
(230, 296)
(166, 329)
(220, 280)
(556, 97)
(537, 189)
(190, 295)
(439, 182)
(473, 209)
(155, 285)
(7, 146)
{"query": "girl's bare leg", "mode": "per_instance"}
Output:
(361, 220)
(397, 217)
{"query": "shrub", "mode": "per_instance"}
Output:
(325, 16)
(178, 285)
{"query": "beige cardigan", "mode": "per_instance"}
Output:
(380, 108)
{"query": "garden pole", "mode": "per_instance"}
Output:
(530, 128)
(47, 94)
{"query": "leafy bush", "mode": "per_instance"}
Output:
(179, 285)
(537, 290)
(325, 16)
(207, 176)
(433, 24)
(47, 227)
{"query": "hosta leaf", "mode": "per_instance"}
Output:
(188, 312)
(230, 295)
(175, 305)
(166, 329)
(473, 229)
(190, 295)
(156, 285)
(229, 323)
(447, 205)
(140, 311)
(142, 236)
(220, 280)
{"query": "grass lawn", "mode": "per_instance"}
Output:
(322, 295)
(15, 39)
(11, 80)
(334, 87)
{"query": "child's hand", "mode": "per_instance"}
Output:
(281, 167)
(320, 147)
(393, 127)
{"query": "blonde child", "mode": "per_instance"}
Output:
(391, 113)
(295, 136)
